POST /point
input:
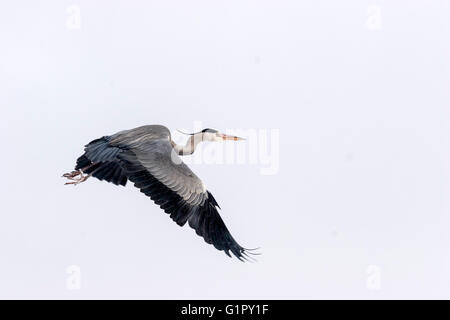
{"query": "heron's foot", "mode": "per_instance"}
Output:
(77, 177)
(72, 175)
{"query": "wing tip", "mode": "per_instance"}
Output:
(247, 255)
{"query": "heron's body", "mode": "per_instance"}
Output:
(148, 157)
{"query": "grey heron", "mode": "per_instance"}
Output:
(149, 158)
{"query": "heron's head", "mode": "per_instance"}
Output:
(213, 135)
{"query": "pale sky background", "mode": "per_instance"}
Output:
(358, 91)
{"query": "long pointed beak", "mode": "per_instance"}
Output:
(227, 137)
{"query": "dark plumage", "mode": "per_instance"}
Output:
(106, 166)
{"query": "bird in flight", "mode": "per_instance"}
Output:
(149, 158)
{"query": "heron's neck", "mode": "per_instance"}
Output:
(189, 147)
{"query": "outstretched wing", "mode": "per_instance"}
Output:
(160, 174)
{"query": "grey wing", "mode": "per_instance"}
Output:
(159, 173)
(100, 155)
(100, 160)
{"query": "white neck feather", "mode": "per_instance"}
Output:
(190, 145)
